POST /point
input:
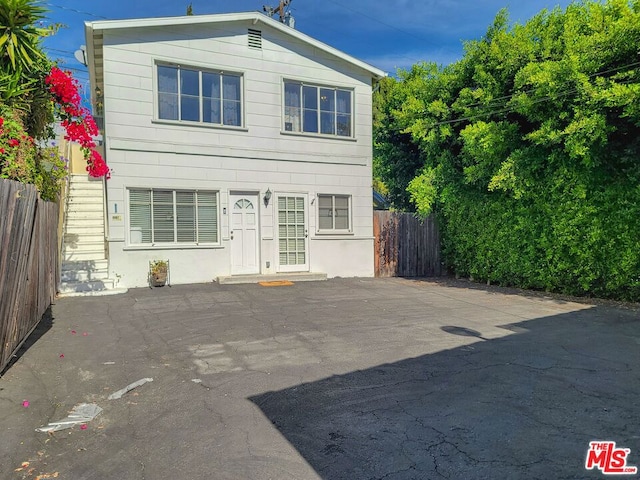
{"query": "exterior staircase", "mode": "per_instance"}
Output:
(85, 268)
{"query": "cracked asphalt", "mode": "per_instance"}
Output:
(346, 379)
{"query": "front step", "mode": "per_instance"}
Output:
(80, 246)
(96, 287)
(80, 239)
(79, 256)
(292, 277)
(86, 286)
(67, 276)
(100, 264)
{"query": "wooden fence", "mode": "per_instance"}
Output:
(28, 263)
(406, 246)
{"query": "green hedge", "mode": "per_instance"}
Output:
(565, 237)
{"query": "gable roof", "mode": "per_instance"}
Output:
(93, 32)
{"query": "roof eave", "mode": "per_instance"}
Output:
(255, 17)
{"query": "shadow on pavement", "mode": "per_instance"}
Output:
(42, 327)
(524, 405)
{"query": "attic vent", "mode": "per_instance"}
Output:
(255, 38)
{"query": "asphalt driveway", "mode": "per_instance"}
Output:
(345, 379)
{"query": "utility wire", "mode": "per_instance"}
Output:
(60, 51)
(508, 97)
(75, 11)
(422, 39)
(546, 98)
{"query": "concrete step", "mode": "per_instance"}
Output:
(86, 188)
(79, 207)
(84, 178)
(83, 256)
(292, 277)
(85, 246)
(86, 286)
(75, 240)
(84, 275)
(84, 200)
(92, 287)
(87, 265)
(78, 221)
(85, 191)
(79, 228)
(95, 217)
(86, 291)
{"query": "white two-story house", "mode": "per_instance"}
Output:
(238, 146)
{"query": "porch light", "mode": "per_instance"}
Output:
(267, 197)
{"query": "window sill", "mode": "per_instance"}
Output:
(173, 246)
(318, 135)
(340, 237)
(212, 126)
(334, 234)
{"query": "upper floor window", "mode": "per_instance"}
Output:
(193, 95)
(317, 109)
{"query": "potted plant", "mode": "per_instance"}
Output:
(158, 270)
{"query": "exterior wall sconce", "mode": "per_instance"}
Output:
(267, 197)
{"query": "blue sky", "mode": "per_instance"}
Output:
(388, 34)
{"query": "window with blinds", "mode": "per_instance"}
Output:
(158, 216)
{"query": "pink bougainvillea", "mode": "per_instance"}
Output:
(77, 121)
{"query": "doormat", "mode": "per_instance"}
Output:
(276, 283)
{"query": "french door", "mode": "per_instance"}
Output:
(293, 245)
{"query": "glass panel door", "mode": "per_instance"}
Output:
(293, 254)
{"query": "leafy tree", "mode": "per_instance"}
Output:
(528, 149)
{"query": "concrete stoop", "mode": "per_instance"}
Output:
(85, 268)
(292, 277)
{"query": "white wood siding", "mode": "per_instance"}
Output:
(130, 103)
(145, 152)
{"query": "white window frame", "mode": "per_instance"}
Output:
(334, 230)
(175, 243)
(319, 87)
(200, 70)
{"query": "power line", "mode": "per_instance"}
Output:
(539, 100)
(75, 11)
(383, 23)
(545, 98)
(60, 51)
(508, 97)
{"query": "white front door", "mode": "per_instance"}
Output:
(244, 233)
(293, 247)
